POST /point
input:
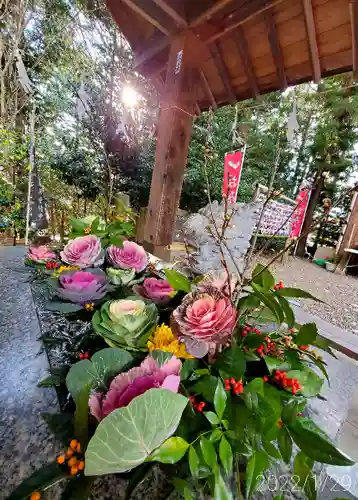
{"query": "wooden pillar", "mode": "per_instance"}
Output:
(174, 131)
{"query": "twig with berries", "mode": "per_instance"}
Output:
(236, 386)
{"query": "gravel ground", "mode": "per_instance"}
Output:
(340, 293)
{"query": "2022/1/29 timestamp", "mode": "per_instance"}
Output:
(285, 483)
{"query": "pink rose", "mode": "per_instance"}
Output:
(131, 256)
(128, 385)
(41, 254)
(204, 321)
(84, 251)
(159, 291)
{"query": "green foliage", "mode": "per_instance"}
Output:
(156, 409)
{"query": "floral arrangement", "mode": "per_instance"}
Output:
(207, 377)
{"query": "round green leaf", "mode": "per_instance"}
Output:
(171, 451)
(128, 436)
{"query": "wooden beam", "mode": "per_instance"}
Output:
(208, 90)
(220, 64)
(353, 6)
(312, 40)
(251, 11)
(174, 131)
(211, 11)
(143, 8)
(243, 49)
(172, 13)
(276, 49)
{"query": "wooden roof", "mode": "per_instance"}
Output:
(245, 47)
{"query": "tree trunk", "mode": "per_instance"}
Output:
(316, 191)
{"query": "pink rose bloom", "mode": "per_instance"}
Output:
(204, 321)
(131, 256)
(41, 254)
(84, 251)
(128, 385)
(159, 291)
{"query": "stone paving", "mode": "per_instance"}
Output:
(25, 443)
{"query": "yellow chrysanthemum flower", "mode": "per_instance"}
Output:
(65, 268)
(164, 340)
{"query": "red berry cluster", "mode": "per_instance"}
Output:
(197, 406)
(236, 385)
(249, 329)
(286, 382)
(84, 355)
(52, 265)
(278, 286)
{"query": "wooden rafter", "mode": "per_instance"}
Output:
(243, 50)
(208, 90)
(219, 5)
(142, 8)
(252, 11)
(276, 49)
(312, 40)
(223, 72)
(354, 22)
(171, 12)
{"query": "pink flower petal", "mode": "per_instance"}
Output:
(171, 383)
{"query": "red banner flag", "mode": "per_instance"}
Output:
(232, 172)
(298, 216)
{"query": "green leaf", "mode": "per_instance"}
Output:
(302, 466)
(310, 382)
(231, 363)
(273, 363)
(63, 307)
(188, 367)
(215, 435)
(307, 334)
(78, 489)
(51, 381)
(221, 490)
(220, 398)
(284, 442)
(287, 309)
(225, 454)
(78, 225)
(271, 449)
(257, 465)
(248, 302)
(289, 413)
(44, 477)
(263, 277)
(177, 280)
(269, 300)
(109, 362)
(194, 462)
(256, 386)
(95, 224)
(126, 438)
(116, 241)
(161, 357)
(209, 452)
(296, 293)
(212, 417)
(206, 387)
(171, 451)
(302, 469)
(316, 446)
